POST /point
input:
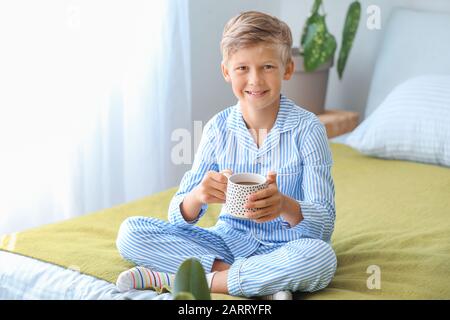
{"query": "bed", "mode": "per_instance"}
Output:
(392, 233)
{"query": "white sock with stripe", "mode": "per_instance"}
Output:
(145, 278)
(209, 278)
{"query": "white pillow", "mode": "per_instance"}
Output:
(412, 123)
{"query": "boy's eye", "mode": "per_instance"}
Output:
(268, 67)
(241, 68)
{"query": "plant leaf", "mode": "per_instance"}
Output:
(348, 35)
(191, 278)
(316, 6)
(314, 11)
(183, 296)
(319, 45)
(305, 32)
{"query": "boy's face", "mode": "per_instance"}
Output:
(256, 74)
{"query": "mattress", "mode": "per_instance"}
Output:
(25, 278)
(392, 239)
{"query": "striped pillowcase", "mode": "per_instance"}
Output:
(412, 123)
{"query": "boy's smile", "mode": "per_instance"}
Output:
(256, 74)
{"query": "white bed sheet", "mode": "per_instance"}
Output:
(30, 279)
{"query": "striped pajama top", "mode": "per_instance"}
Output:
(296, 148)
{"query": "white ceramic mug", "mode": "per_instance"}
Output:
(240, 186)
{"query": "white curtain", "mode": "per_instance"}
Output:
(90, 93)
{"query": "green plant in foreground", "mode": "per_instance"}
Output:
(318, 45)
(190, 282)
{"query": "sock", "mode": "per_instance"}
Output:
(280, 295)
(209, 278)
(144, 278)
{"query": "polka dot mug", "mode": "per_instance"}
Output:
(240, 186)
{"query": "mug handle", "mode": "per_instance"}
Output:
(227, 173)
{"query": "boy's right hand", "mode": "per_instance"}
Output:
(213, 187)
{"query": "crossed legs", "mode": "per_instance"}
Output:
(300, 265)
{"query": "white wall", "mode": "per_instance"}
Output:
(210, 92)
(351, 92)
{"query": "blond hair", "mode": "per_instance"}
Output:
(253, 27)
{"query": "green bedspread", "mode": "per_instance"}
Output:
(392, 217)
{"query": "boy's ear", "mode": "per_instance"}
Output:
(289, 70)
(225, 72)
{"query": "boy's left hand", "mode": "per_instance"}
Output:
(269, 201)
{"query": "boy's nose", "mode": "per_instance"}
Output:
(255, 78)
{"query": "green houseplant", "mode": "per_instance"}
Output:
(190, 282)
(319, 45)
(315, 56)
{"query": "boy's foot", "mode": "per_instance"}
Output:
(144, 278)
(280, 295)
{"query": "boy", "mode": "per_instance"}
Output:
(284, 246)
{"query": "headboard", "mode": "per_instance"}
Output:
(415, 43)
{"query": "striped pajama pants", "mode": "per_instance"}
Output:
(300, 265)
